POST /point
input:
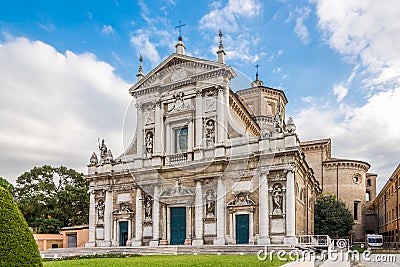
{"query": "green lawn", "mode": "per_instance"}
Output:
(179, 260)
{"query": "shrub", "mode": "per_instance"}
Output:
(17, 245)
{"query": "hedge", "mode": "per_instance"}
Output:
(17, 245)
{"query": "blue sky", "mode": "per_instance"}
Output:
(67, 67)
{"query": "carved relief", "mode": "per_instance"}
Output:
(277, 199)
(179, 103)
(241, 199)
(210, 104)
(178, 189)
(149, 115)
(178, 74)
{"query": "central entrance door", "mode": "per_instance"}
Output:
(242, 229)
(123, 233)
(178, 226)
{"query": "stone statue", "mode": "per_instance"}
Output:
(178, 187)
(290, 127)
(103, 150)
(148, 207)
(93, 159)
(277, 198)
(210, 132)
(149, 142)
(210, 203)
(100, 210)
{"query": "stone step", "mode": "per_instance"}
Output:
(162, 250)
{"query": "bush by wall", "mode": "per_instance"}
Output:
(17, 245)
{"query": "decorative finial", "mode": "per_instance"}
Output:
(221, 53)
(140, 74)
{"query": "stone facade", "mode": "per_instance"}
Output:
(207, 165)
(387, 205)
(348, 180)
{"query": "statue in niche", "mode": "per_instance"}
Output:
(277, 198)
(149, 142)
(148, 207)
(210, 203)
(210, 132)
(103, 149)
(100, 210)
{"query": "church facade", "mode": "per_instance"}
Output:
(207, 165)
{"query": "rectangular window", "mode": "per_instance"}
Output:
(181, 140)
(355, 210)
(368, 196)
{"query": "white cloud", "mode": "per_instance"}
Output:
(108, 30)
(141, 41)
(307, 99)
(240, 43)
(367, 32)
(300, 29)
(340, 91)
(369, 132)
(55, 106)
(226, 18)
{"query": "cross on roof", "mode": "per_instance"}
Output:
(256, 66)
(180, 28)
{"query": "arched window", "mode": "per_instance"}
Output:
(369, 182)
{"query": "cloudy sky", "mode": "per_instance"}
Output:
(66, 67)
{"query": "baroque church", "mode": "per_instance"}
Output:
(207, 165)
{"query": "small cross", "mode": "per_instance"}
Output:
(180, 28)
(256, 66)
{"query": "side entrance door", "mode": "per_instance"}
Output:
(123, 233)
(178, 226)
(242, 229)
(72, 241)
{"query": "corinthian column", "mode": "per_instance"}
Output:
(92, 220)
(198, 215)
(108, 217)
(138, 218)
(264, 210)
(156, 217)
(290, 209)
(221, 225)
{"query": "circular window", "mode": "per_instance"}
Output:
(356, 179)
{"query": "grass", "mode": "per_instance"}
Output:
(171, 260)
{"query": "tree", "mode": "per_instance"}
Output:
(6, 185)
(331, 217)
(51, 198)
(17, 245)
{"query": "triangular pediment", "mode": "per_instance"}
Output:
(180, 69)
